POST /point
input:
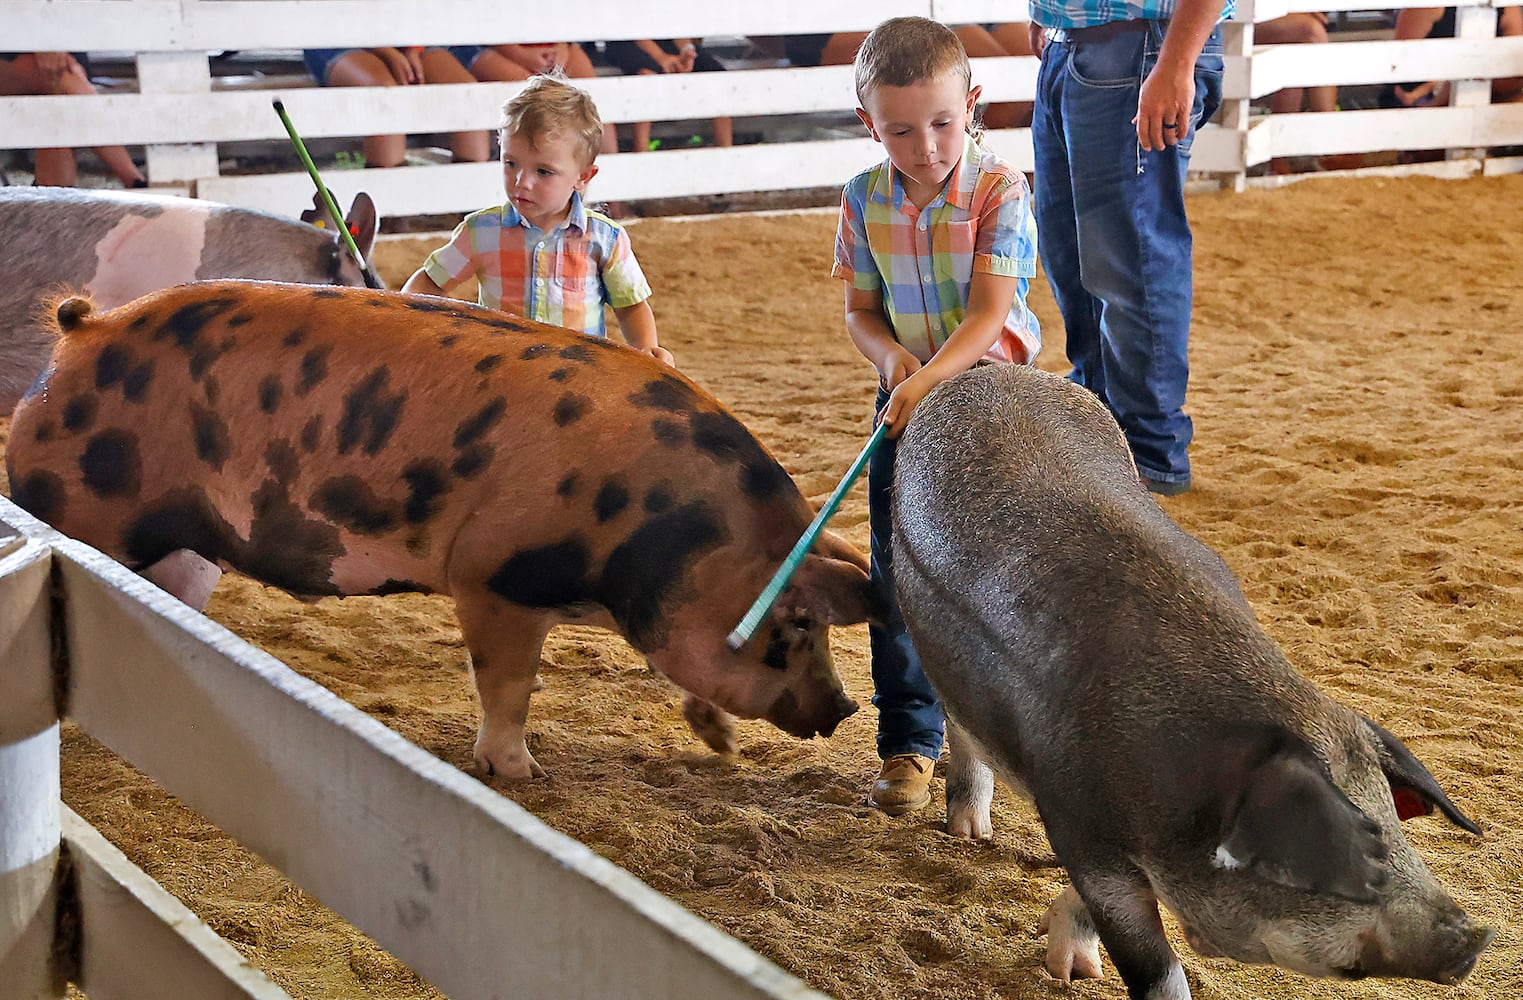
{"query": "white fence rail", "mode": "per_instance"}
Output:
(180, 119)
(437, 868)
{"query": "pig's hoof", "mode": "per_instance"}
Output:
(519, 766)
(1073, 947)
(712, 724)
(969, 823)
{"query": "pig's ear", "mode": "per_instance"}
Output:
(363, 223)
(1415, 791)
(1293, 826)
(317, 215)
(830, 544)
(835, 591)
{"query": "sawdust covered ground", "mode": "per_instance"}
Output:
(1357, 390)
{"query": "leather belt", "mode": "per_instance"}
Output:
(1098, 32)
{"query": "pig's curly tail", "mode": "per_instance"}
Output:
(72, 312)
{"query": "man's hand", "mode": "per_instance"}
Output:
(1164, 106)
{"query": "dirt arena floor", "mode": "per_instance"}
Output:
(1358, 397)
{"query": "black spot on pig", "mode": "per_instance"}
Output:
(399, 587)
(295, 338)
(426, 305)
(489, 362)
(480, 422)
(724, 437)
(776, 653)
(314, 368)
(472, 460)
(282, 461)
(762, 479)
(657, 500)
(240, 319)
(666, 393)
(570, 408)
(350, 502)
(567, 486)
(41, 494)
(212, 388)
(644, 574)
(111, 365)
(111, 464)
(668, 432)
(534, 351)
(139, 322)
(449, 340)
(185, 324)
(288, 549)
(79, 412)
(311, 434)
(204, 355)
(610, 501)
(209, 432)
(45, 430)
(549, 576)
(270, 392)
(327, 293)
(560, 374)
(426, 483)
(577, 352)
(137, 380)
(181, 519)
(370, 414)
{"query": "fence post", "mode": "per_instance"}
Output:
(30, 808)
(177, 73)
(1472, 22)
(1236, 115)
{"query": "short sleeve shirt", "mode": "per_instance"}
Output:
(563, 277)
(923, 260)
(1070, 14)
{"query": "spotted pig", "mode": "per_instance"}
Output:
(338, 441)
(117, 245)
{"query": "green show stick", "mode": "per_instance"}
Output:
(774, 587)
(371, 281)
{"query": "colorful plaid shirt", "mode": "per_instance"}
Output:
(923, 261)
(562, 277)
(1070, 14)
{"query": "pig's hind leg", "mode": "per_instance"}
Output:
(970, 787)
(504, 642)
(709, 722)
(185, 575)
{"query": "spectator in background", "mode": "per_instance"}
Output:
(666, 55)
(823, 50)
(543, 58)
(400, 67)
(1438, 22)
(1302, 28)
(53, 73)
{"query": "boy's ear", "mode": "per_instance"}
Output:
(973, 96)
(585, 177)
(867, 120)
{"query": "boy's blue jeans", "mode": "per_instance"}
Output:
(1113, 233)
(909, 712)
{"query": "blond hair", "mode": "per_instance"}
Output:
(549, 104)
(908, 50)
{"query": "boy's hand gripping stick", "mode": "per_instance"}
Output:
(748, 625)
(371, 281)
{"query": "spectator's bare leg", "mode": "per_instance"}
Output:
(579, 67)
(724, 132)
(441, 66)
(365, 69)
(56, 167)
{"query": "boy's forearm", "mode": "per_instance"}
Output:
(638, 325)
(871, 335)
(990, 297)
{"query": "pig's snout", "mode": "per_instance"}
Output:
(1447, 957)
(798, 720)
(1475, 939)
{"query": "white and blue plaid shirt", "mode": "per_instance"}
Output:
(1070, 14)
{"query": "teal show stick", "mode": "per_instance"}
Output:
(774, 587)
(371, 281)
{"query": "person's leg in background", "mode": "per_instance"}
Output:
(363, 68)
(57, 167)
(441, 65)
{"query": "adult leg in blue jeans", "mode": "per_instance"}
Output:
(1115, 238)
(911, 727)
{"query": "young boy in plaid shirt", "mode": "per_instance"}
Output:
(543, 255)
(937, 246)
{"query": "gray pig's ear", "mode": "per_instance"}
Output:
(835, 591)
(363, 223)
(1293, 826)
(1414, 790)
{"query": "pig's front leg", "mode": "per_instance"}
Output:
(504, 641)
(970, 787)
(712, 724)
(185, 575)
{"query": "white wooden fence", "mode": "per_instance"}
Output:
(473, 893)
(178, 117)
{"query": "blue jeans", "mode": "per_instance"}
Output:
(909, 712)
(1114, 237)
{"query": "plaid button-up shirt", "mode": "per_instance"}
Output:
(1070, 14)
(924, 260)
(561, 277)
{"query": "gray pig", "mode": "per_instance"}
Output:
(117, 246)
(1108, 667)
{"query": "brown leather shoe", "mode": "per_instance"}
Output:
(903, 785)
